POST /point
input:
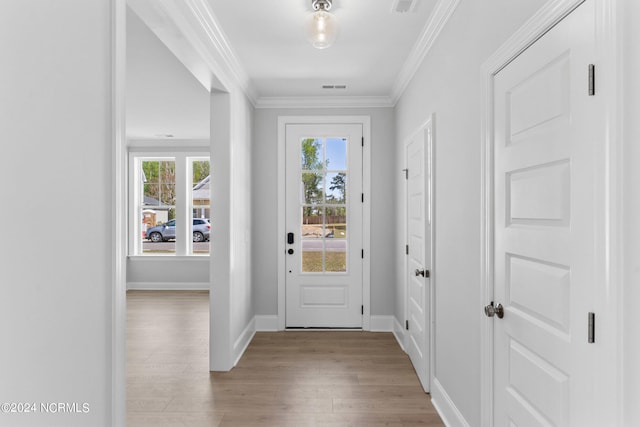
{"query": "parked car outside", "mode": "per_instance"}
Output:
(167, 231)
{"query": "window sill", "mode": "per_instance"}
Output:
(168, 257)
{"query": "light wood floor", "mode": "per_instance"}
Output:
(284, 378)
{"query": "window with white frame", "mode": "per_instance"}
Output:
(169, 200)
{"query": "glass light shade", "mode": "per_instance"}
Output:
(322, 29)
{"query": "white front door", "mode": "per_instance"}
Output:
(418, 222)
(324, 225)
(545, 133)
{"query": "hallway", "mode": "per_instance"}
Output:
(284, 379)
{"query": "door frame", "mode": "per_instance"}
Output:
(118, 159)
(429, 145)
(365, 121)
(608, 378)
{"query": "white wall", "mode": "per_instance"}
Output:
(221, 275)
(474, 32)
(264, 163)
(163, 97)
(242, 295)
(231, 295)
(631, 298)
(168, 272)
(55, 257)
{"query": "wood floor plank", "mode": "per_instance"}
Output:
(168, 419)
(292, 378)
(151, 404)
(382, 405)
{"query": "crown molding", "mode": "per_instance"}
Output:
(218, 46)
(324, 102)
(437, 20)
(206, 48)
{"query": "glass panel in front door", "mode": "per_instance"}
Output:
(324, 205)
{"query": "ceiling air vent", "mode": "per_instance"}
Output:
(403, 6)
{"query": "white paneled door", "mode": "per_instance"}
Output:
(418, 252)
(546, 129)
(324, 232)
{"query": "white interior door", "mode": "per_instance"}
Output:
(324, 225)
(418, 222)
(546, 130)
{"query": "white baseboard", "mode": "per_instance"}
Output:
(447, 410)
(243, 341)
(266, 323)
(398, 332)
(381, 323)
(168, 286)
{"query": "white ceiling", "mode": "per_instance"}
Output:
(264, 43)
(268, 39)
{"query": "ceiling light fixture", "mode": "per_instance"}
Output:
(322, 26)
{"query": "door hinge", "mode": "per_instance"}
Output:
(363, 141)
(406, 173)
(362, 310)
(591, 338)
(362, 253)
(406, 249)
(406, 325)
(362, 197)
(592, 79)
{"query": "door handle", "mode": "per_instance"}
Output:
(290, 238)
(491, 310)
